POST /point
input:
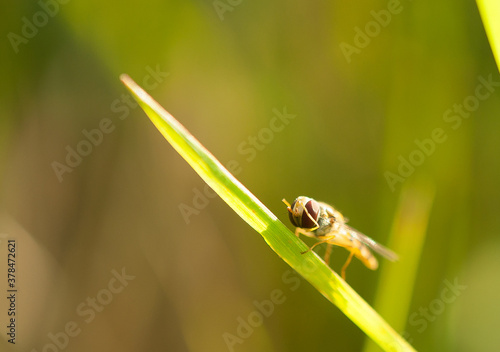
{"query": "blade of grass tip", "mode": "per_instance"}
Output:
(274, 232)
(490, 14)
(407, 238)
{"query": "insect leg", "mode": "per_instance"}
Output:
(300, 231)
(328, 251)
(348, 261)
(314, 245)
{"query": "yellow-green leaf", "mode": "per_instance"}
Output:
(274, 232)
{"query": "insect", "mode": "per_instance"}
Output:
(322, 222)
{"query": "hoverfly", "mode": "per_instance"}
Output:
(322, 222)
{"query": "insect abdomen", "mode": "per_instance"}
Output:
(365, 255)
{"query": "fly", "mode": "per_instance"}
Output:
(322, 222)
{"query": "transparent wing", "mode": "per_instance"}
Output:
(383, 251)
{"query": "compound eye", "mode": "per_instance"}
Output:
(312, 208)
(293, 219)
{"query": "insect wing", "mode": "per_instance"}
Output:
(383, 251)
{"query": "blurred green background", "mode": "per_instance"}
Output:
(363, 80)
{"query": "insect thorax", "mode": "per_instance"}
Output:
(326, 223)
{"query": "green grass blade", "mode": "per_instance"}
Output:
(274, 232)
(409, 230)
(490, 13)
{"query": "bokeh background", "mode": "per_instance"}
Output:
(223, 68)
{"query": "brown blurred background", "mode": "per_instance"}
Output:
(96, 199)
